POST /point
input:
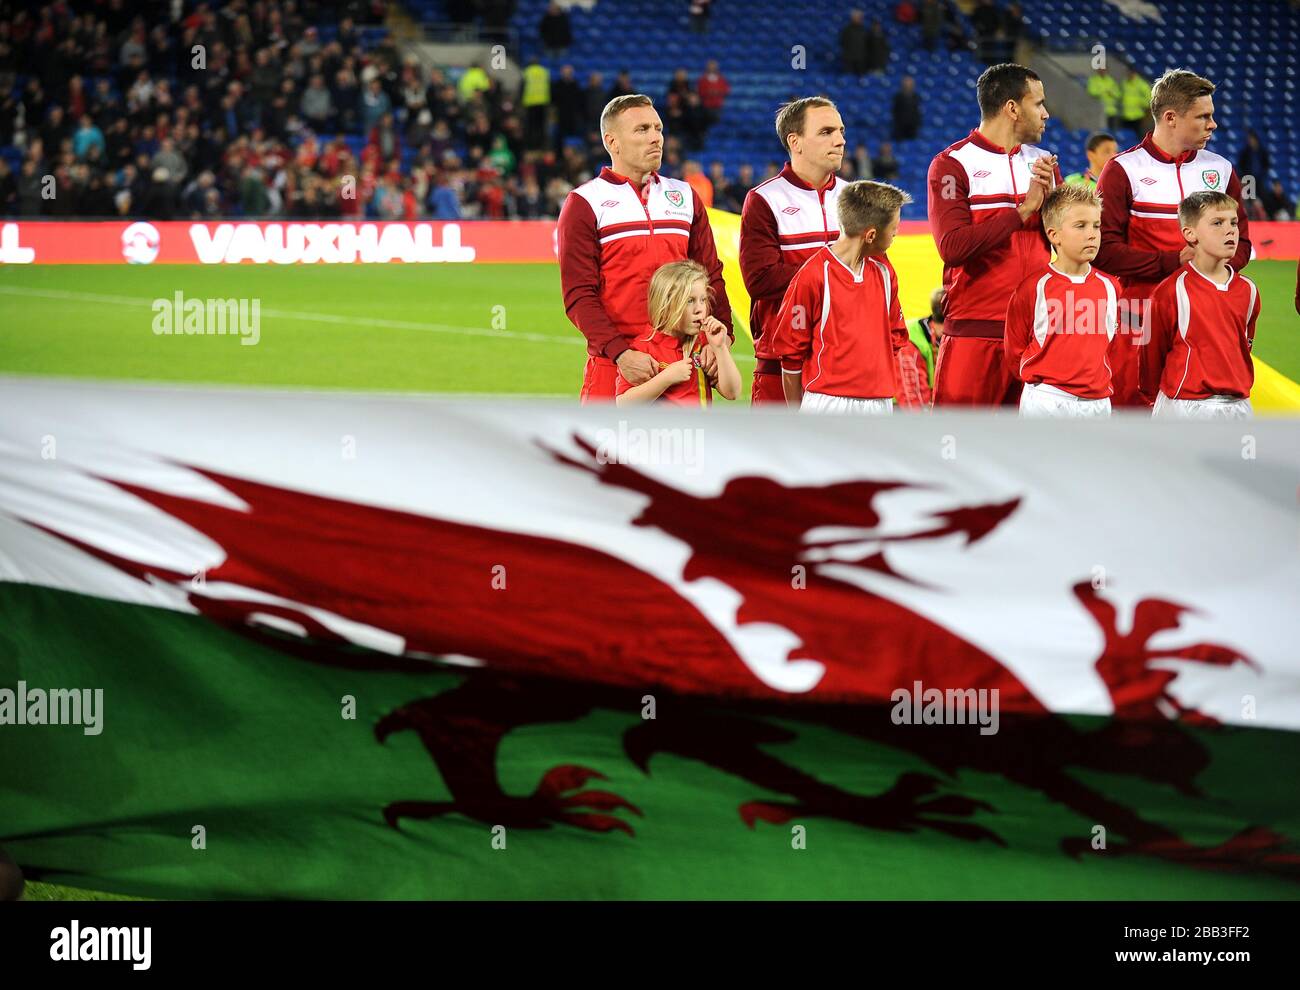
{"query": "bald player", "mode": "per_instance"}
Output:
(614, 232)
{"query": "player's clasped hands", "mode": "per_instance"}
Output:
(1042, 178)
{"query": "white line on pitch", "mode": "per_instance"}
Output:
(367, 321)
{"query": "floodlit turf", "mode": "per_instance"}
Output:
(424, 328)
(420, 328)
(1277, 335)
(53, 892)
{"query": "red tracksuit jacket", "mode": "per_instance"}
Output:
(612, 237)
(842, 330)
(1059, 330)
(1201, 336)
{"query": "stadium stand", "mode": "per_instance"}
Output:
(253, 135)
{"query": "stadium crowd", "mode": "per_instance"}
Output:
(293, 108)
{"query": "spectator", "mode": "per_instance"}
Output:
(724, 191)
(695, 121)
(679, 84)
(877, 48)
(931, 16)
(1104, 88)
(862, 163)
(57, 129)
(496, 19)
(1135, 104)
(744, 182)
(566, 96)
(316, 105)
(699, 11)
(30, 185)
(170, 161)
(88, 136)
(986, 20)
(1100, 149)
(502, 158)
(853, 45)
(1253, 160)
(556, 31)
(159, 199)
(536, 101)
(907, 110)
(622, 87)
(346, 99)
(473, 81)
(698, 181)
(1013, 26)
(595, 98)
(194, 200)
(674, 116)
(884, 167)
(374, 105)
(8, 189)
(131, 54)
(713, 89)
(384, 140)
(444, 204)
(1275, 203)
(529, 203)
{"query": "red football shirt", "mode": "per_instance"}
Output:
(1201, 335)
(842, 329)
(667, 349)
(1059, 329)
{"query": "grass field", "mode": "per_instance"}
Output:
(462, 329)
(482, 328)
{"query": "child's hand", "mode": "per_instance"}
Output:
(680, 371)
(716, 331)
(707, 361)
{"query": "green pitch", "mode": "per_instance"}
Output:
(481, 328)
(411, 328)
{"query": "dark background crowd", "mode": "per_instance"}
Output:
(293, 108)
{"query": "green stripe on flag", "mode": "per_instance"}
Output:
(202, 726)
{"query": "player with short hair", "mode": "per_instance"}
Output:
(1142, 240)
(984, 195)
(1203, 319)
(1100, 148)
(614, 232)
(840, 326)
(1061, 321)
(681, 330)
(786, 220)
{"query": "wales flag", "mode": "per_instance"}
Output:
(261, 644)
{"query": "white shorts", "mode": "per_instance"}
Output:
(1047, 400)
(815, 402)
(1218, 407)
